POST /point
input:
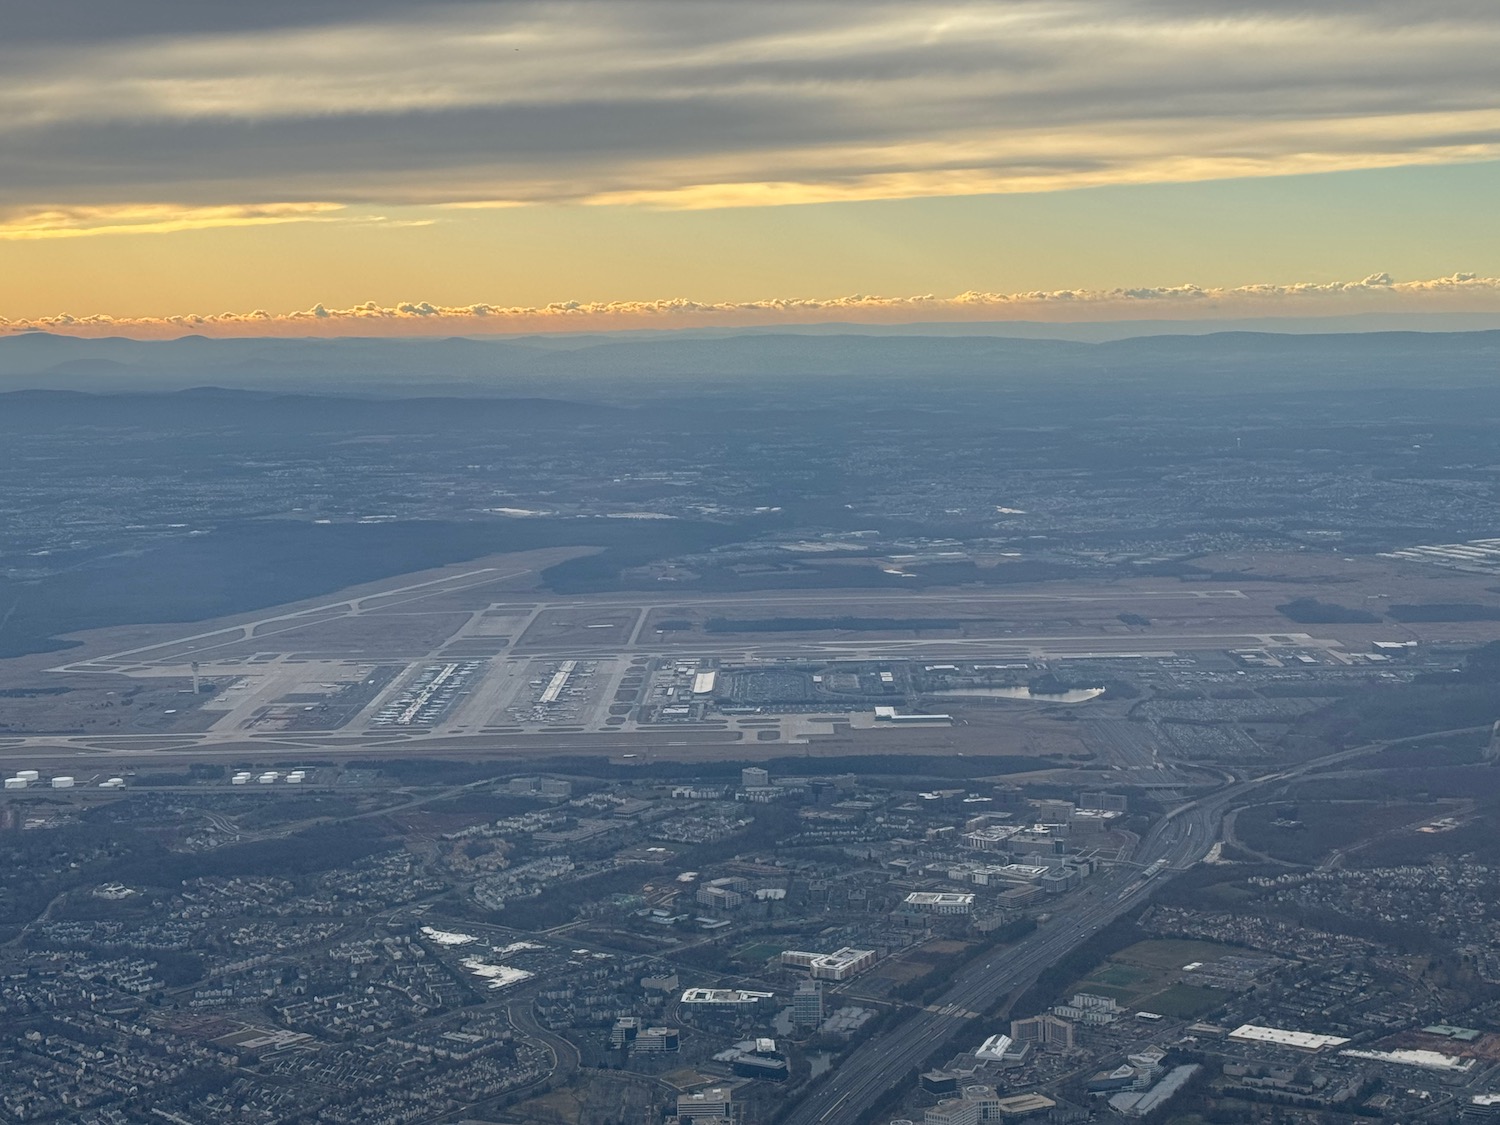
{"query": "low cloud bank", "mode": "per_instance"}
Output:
(1460, 292)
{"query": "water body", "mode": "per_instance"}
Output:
(1074, 695)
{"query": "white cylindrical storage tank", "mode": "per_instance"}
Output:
(268, 777)
(238, 780)
(63, 782)
(15, 783)
(28, 775)
(293, 779)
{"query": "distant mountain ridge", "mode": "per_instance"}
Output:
(616, 369)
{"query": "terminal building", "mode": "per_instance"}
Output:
(889, 715)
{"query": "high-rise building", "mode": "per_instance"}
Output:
(753, 777)
(807, 1004)
(1045, 1031)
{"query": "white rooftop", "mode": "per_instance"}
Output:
(1430, 1060)
(722, 996)
(1301, 1040)
(994, 1047)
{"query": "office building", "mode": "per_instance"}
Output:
(712, 1104)
(807, 1004)
(1045, 1031)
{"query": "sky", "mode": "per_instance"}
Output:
(318, 167)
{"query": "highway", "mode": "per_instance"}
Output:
(1180, 838)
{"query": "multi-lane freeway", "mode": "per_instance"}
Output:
(1177, 841)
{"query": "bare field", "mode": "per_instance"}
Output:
(363, 635)
(562, 625)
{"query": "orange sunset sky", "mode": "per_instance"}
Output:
(379, 168)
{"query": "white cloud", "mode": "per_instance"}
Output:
(1378, 292)
(155, 218)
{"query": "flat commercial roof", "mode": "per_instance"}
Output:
(1428, 1060)
(1024, 1103)
(939, 898)
(1300, 1040)
(703, 683)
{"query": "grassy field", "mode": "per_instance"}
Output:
(1184, 1001)
(757, 952)
(1306, 831)
(1170, 953)
(1144, 977)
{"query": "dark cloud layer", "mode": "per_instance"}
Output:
(83, 21)
(713, 103)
